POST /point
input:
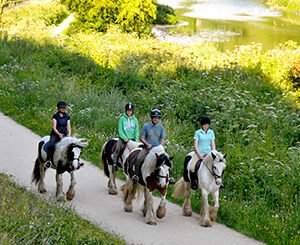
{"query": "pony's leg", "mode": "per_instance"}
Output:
(112, 188)
(204, 215)
(41, 184)
(143, 210)
(161, 210)
(187, 207)
(71, 191)
(150, 218)
(213, 211)
(59, 188)
(129, 195)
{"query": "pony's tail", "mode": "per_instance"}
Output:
(178, 192)
(103, 163)
(36, 175)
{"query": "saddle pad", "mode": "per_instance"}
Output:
(46, 146)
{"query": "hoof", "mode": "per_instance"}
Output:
(70, 195)
(112, 192)
(42, 190)
(187, 212)
(161, 212)
(151, 222)
(128, 209)
(206, 223)
(60, 198)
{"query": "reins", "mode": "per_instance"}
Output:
(212, 172)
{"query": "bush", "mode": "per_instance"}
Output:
(165, 15)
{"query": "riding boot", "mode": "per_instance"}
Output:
(172, 181)
(194, 180)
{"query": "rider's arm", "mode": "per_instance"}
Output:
(136, 133)
(213, 144)
(145, 142)
(54, 124)
(69, 128)
(121, 130)
(197, 149)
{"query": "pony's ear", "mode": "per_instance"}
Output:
(157, 156)
(171, 158)
(225, 155)
(213, 155)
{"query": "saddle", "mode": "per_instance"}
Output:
(193, 175)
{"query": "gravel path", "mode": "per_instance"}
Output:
(18, 149)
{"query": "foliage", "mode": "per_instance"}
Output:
(27, 219)
(131, 16)
(165, 15)
(248, 93)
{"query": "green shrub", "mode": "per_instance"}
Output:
(165, 15)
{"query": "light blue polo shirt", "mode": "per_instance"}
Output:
(204, 140)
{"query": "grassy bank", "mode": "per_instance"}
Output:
(250, 94)
(27, 219)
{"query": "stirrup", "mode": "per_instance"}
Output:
(115, 167)
(48, 164)
(135, 178)
(172, 181)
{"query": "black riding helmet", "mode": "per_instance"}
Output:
(61, 104)
(155, 113)
(129, 106)
(204, 120)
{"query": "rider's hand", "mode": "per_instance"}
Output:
(149, 146)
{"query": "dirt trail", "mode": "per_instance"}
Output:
(18, 147)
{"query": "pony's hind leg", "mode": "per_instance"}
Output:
(112, 188)
(71, 191)
(129, 195)
(161, 210)
(41, 182)
(187, 208)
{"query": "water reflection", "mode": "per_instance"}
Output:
(223, 22)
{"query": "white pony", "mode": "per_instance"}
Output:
(107, 162)
(154, 174)
(66, 158)
(209, 175)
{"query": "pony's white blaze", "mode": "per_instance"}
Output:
(76, 162)
(163, 177)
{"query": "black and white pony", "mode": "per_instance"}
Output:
(107, 152)
(66, 158)
(209, 173)
(154, 175)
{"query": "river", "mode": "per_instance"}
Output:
(229, 23)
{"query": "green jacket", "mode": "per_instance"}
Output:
(128, 128)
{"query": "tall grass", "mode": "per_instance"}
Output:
(247, 92)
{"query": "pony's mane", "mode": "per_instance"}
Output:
(155, 150)
(62, 145)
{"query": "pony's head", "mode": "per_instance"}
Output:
(73, 155)
(218, 165)
(163, 169)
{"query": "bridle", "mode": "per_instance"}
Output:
(213, 172)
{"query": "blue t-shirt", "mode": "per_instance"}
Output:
(153, 134)
(204, 140)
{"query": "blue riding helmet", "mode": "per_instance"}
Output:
(155, 113)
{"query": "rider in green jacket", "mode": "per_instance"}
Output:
(128, 129)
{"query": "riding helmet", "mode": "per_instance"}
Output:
(155, 113)
(61, 104)
(129, 106)
(205, 120)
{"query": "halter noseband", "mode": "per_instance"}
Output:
(213, 172)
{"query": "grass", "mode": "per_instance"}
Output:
(28, 219)
(249, 93)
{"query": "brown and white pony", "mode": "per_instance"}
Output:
(209, 176)
(154, 175)
(66, 158)
(107, 152)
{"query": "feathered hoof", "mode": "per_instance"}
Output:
(60, 198)
(213, 214)
(42, 190)
(112, 192)
(205, 223)
(70, 195)
(161, 212)
(187, 212)
(128, 208)
(151, 222)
